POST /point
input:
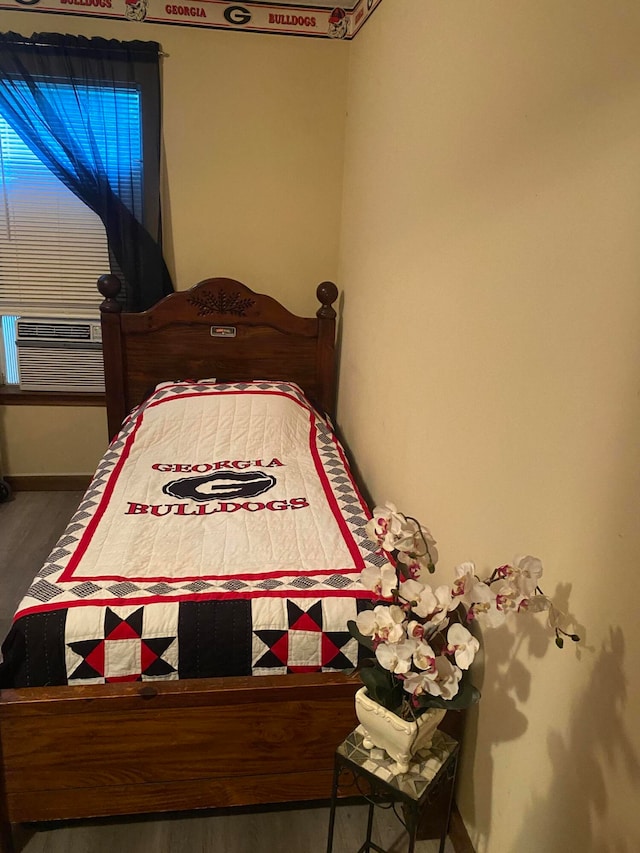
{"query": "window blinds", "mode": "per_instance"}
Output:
(52, 246)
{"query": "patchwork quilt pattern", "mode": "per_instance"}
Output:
(121, 644)
(222, 534)
(302, 636)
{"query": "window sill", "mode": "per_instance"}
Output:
(10, 395)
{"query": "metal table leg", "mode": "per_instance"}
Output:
(452, 776)
(332, 813)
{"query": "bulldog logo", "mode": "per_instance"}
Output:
(221, 486)
(338, 23)
(135, 10)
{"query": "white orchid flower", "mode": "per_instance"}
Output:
(467, 589)
(381, 580)
(411, 566)
(448, 677)
(407, 538)
(396, 657)
(443, 605)
(423, 596)
(386, 526)
(419, 683)
(418, 542)
(493, 612)
(445, 683)
(393, 531)
(431, 544)
(528, 571)
(462, 644)
(415, 630)
(383, 623)
(425, 658)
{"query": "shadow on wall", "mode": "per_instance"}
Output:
(505, 684)
(595, 745)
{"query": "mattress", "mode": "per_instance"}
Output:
(222, 534)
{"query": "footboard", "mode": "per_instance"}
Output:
(79, 752)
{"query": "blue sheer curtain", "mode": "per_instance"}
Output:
(63, 95)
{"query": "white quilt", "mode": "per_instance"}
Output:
(214, 490)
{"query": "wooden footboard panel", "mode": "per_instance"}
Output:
(154, 798)
(80, 752)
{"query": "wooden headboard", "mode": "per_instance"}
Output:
(220, 328)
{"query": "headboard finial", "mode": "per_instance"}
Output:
(109, 286)
(327, 294)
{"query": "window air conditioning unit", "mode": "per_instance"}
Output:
(59, 354)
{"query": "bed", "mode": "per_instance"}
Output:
(88, 749)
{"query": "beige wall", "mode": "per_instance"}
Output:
(254, 140)
(51, 440)
(490, 359)
(490, 334)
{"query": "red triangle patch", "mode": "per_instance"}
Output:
(95, 658)
(281, 648)
(303, 669)
(117, 678)
(147, 656)
(305, 623)
(123, 631)
(329, 650)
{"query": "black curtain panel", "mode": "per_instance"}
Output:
(62, 95)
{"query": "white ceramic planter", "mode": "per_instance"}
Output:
(399, 738)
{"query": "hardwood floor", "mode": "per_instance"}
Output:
(275, 832)
(30, 525)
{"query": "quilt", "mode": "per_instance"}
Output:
(222, 534)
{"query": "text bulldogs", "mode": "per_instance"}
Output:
(229, 506)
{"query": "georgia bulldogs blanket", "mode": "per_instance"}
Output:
(221, 535)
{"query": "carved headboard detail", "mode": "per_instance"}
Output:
(174, 340)
(220, 302)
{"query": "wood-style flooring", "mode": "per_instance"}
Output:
(30, 524)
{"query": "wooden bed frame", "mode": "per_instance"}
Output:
(220, 328)
(105, 750)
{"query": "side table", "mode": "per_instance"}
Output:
(431, 775)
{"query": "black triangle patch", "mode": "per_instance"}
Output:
(314, 613)
(158, 645)
(268, 659)
(270, 637)
(84, 649)
(159, 667)
(339, 638)
(340, 661)
(83, 670)
(112, 621)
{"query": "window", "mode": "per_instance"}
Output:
(53, 247)
(8, 354)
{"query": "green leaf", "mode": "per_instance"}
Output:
(367, 642)
(466, 696)
(559, 642)
(378, 684)
(382, 686)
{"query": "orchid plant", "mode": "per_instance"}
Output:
(419, 637)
